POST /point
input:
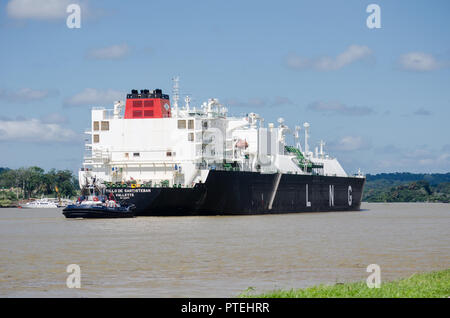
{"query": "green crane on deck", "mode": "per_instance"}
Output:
(304, 164)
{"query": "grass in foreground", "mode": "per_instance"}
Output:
(426, 285)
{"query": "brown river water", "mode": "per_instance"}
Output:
(217, 256)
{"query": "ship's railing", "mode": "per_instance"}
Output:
(108, 114)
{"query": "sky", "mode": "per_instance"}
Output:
(378, 97)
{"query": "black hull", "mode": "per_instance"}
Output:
(238, 193)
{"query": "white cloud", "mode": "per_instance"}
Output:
(251, 102)
(422, 112)
(53, 10)
(37, 9)
(419, 61)
(350, 143)
(112, 52)
(54, 118)
(339, 108)
(280, 100)
(34, 130)
(92, 96)
(25, 95)
(259, 102)
(352, 54)
(418, 159)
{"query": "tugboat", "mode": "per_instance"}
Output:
(95, 204)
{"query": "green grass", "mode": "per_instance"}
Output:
(426, 285)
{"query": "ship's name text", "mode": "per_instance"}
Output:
(137, 190)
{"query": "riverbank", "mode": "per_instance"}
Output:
(426, 285)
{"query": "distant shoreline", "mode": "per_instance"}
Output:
(406, 187)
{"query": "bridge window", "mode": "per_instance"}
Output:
(191, 124)
(136, 154)
(181, 124)
(191, 137)
(105, 125)
(96, 138)
(96, 125)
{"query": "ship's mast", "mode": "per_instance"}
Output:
(187, 100)
(322, 143)
(176, 94)
(297, 137)
(306, 125)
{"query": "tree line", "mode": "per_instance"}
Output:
(26, 183)
(399, 188)
(397, 178)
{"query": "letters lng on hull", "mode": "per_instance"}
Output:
(147, 143)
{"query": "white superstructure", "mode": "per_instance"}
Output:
(180, 148)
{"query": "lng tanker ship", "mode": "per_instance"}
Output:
(196, 160)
